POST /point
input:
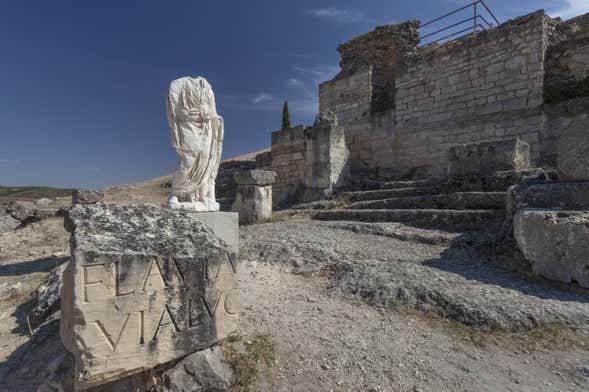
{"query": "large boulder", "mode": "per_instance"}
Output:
(485, 158)
(203, 371)
(573, 151)
(23, 211)
(551, 195)
(145, 285)
(7, 222)
(555, 243)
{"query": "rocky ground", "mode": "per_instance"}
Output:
(351, 306)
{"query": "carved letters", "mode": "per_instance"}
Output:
(103, 281)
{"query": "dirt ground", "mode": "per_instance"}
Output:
(323, 341)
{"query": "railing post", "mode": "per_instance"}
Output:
(474, 27)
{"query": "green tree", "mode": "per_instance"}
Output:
(285, 116)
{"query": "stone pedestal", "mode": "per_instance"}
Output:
(253, 198)
(145, 285)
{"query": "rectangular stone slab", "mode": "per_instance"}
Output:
(146, 285)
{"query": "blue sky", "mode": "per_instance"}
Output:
(83, 84)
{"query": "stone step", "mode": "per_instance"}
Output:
(407, 184)
(368, 184)
(444, 219)
(389, 193)
(450, 201)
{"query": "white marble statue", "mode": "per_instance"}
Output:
(197, 136)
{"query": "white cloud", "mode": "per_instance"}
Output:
(294, 82)
(317, 74)
(572, 8)
(339, 15)
(262, 97)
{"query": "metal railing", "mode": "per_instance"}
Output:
(477, 22)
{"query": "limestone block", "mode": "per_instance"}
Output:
(87, 196)
(255, 177)
(555, 243)
(488, 157)
(222, 224)
(145, 285)
(573, 151)
(253, 203)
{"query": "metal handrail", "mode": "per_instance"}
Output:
(474, 19)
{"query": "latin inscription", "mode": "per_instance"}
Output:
(145, 283)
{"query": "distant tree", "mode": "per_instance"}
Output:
(285, 116)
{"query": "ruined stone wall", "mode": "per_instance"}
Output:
(481, 88)
(567, 61)
(348, 97)
(288, 162)
(369, 63)
(499, 71)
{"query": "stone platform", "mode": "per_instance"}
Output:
(146, 285)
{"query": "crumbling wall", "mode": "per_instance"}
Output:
(567, 61)
(288, 162)
(369, 63)
(473, 89)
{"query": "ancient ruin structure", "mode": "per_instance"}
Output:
(197, 136)
(253, 197)
(403, 106)
(145, 285)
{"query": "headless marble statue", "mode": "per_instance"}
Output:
(197, 136)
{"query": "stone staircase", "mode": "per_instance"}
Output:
(421, 203)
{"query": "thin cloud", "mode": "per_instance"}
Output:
(262, 97)
(339, 15)
(294, 82)
(9, 162)
(572, 8)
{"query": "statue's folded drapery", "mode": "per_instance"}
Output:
(197, 136)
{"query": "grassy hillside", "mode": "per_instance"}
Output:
(9, 193)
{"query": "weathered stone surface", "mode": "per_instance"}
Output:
(326, 157)
(7, 222)
(87, 196)
(253, 203)
(554, 195)
(203, 371)
(196, 131)
(486, 158)
(23, 211)
(223, 224)
(556, 243)
(255, 177)
(48, 300)
(573, 151)
(145, 285)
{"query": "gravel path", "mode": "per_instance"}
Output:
(324, 343)
(390, 265)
